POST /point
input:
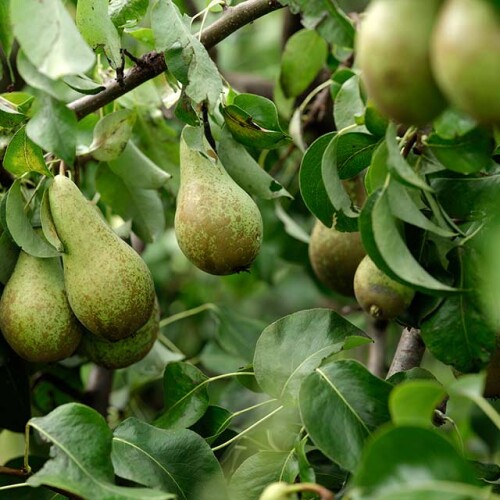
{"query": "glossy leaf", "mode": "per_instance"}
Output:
(341, 403)
(20, 226)
(52, 43)
(412, 463)
(354, 153)
(80, 460)
(349, 106)
(23, 155)
(377, 172)
(291, 348)
(303, 57)
(124, 11)
(261, 469)
(175, 461)
(83, 84)
(185, 394)
(413, 402)
(312, 187)
(241, 166)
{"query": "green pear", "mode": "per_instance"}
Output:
(217, 224)
(392, 50)
(466, 57)
(335, 257)
(109, 286)
(125, 352)
(35, 316)
(379, 295)
(276, 491)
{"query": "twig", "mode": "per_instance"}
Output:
(9, 471)
(409, 352)
(376, 352)
(153, 64)
(99, 389)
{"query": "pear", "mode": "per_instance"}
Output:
(35, 316)
(125, 352)
(335, 257)
(217, 224)
(276, 491)
(392, 48)
(379, 295)
(109, 286)
(466, 57)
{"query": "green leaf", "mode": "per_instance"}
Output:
(213, 423)
(349, 106)
(303, 57)
(354, 153)
(53, 128)
(9, 114)
(186, 57)
(23, 155)
(246, 171)
(312, 187)
(8, 256)
(176, 461)
(413, 402)
(81, 455)
(466, 154)
(48, 226)
(261, 469)
(291, 348)
(83, 84)
(412, 463)
(458, 333)
(452, 124)
(343, 395)
(15, 409)
(6, 35)
(377, 172)
(398, 166)
(125, 11)
(49, 38)
(97, 29)
(111, 135)
(20, 228)
(326, 18)
(185, 395)
(387, 248)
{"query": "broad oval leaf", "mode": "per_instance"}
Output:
(354, 153)
(341, 403)
(261, 469)
(289, 349)
(175, 461)
(349, 107)
(186, 396)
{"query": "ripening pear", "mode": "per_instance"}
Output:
(35, 316)
(392, 48)
(379, 295)
(335, 256)
(125, 352)
(217, 224)
(466, 57)
(109, 286)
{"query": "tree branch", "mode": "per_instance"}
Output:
(153, 64)
(99, 389)
(376, 352)
(409, 352)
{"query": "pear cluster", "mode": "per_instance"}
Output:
(102, 296)
(417, 57)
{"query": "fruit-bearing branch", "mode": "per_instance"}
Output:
(153, 63)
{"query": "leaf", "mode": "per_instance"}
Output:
(466, 154)
(326, 18)
(49, 38)
(261, 469)
(377, 172)
(387, 248)
(6, 35)
(292, 347)
(413, 402)
(9, 114)
(411, 463)
(354, 153)
(458, 333)
(23, 155)
(48, 226)
(303, 57)
(349, 106)
(213, 423)
(185, 396)
(176, 461)
(186, 57)
(111, 135)
(343, 395)
(398, 166)
(20, 228)
(292, 228)
(312, 187)
(80, 460)
(15, 408)
(53, 128)
(83, 84)
(452, 124)
(246, 171)
(9, 252)
(97, 29)
(124, 11)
